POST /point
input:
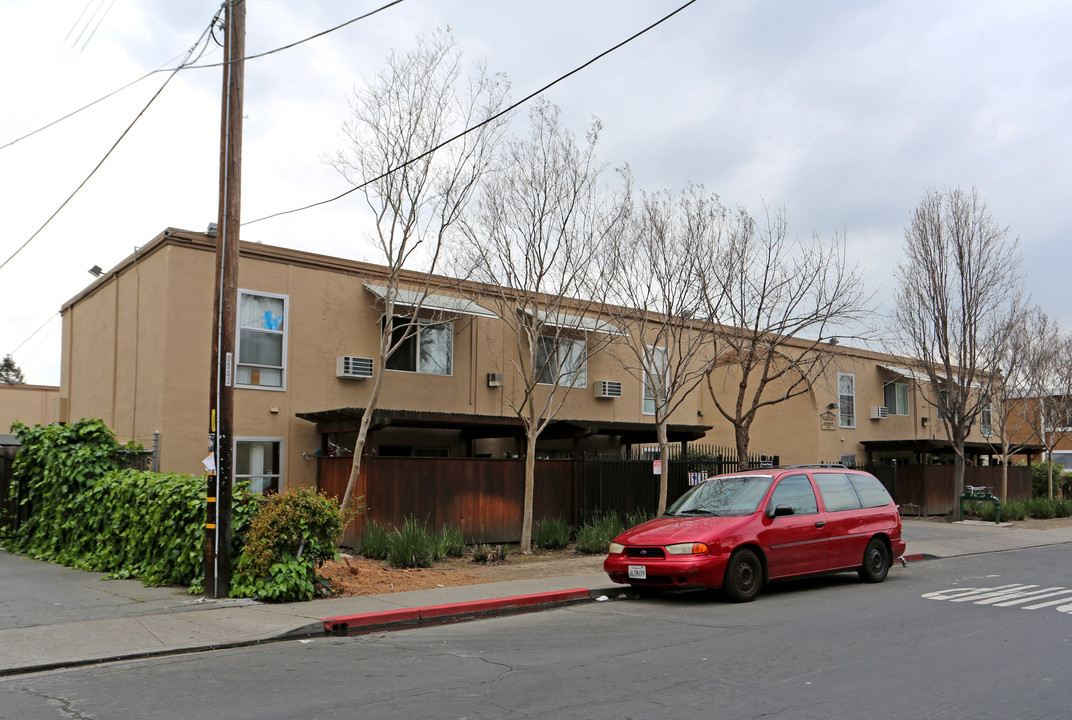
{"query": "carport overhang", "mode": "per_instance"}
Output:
(937, 445)
(342, 420)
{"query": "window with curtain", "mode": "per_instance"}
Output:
(896, 398)
(650, 382)
(847, 399)
(428, 349)
(257, 461)
(262, 340)
(562, 361)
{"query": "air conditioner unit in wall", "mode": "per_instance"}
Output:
(353, 368)
(608, 389)
(879, 412)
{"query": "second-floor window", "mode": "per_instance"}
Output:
(562, 361)
(428, 349)
(847, 399)
(986, 420)
(896, 398)
(651, 382)
(262, 340)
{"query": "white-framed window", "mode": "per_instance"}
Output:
(848, 460)
(262, 340)
(847, 399)
(986, 420)
(562, 361)
(658, 355)
(896, 398)
(258, 461)
(429, 349)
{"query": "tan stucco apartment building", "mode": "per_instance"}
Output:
(137, 346)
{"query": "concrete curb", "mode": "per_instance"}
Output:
(454, 612)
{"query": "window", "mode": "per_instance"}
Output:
(848, 460)
(870, 491)
(659, 357)
(837, 491)
(847, 399)
(257, 460)
(429, 349)
(562, 362)
(986, 420)
(896, 398)
(795, 490)
(262, 340)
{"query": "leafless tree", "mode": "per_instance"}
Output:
(1002, 419)
(960, 276)
(781, 307)
(654, 273)
(534, 239)
(1045, 360)
(414, 188)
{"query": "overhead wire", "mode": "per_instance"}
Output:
(116, 143)
(46, 322)
(188, 66)
(489, 119)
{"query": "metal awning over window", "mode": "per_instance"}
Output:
(431, 301)
(580, 323)
(906, 373)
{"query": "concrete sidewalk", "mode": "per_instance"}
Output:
(52, 617)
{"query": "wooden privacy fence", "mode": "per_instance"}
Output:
(930, 487)
(485, 497)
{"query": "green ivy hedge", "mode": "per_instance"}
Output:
(88, 514)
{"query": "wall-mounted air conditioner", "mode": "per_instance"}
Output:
(608, 389)
(353, 368)
(495, 379)
(879, 412)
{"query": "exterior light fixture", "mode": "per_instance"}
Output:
(96, 271)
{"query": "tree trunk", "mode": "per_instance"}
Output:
(740, 436)
(530, 484)
(664, 461)
(958, 479)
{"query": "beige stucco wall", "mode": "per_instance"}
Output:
(29, 404)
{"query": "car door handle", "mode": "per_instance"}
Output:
(820, 523)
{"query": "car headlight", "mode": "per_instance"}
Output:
(686, 548)
(616, 548)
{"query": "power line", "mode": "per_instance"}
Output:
(46, 322)
(113, 147)
(188, 66)
(491, 118)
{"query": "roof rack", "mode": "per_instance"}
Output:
(811, 465)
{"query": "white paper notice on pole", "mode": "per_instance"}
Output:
(210, 463)
(657, 467)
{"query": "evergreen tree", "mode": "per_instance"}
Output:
(10, 372)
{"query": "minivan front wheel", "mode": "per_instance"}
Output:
(876, 562)
(744, 576)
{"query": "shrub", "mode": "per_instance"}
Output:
(1063, 508)
(291, 535)
(411, 546)
(637, 517)
(450, 542)
(1014, 510)
(552, 533)
(484, 553)
(375, 541)
(1040, 484)
(594, 536)
(1041, 508)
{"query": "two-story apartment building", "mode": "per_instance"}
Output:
(137, 346)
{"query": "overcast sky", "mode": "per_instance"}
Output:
(845, 113)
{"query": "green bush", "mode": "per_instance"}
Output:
(594, 536)
(552, 533)
(411, 546)
(87, 514)
(1041, 508)
(450, 542)
(487, 554)
(1063, 508)
(375, 541)
(637, 517)
(1040, 484)
(1014, 510)
(291, 535)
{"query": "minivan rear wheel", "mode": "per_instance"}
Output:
(876, 562)
(744, 576)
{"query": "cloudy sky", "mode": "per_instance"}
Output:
(845, 113)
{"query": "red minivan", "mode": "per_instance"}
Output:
(741, 530)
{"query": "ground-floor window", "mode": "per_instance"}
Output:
(257, 460)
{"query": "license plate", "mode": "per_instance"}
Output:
(638, 572)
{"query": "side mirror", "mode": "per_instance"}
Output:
(783, 510)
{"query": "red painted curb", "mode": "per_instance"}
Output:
(915, 557)
(343, 624)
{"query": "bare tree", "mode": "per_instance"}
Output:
(653, 273)
(960, 276)
(416, 189)
(1045, 359)
(535, 239)
(1003, 421)
(780, 307)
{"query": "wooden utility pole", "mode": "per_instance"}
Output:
(221, 392)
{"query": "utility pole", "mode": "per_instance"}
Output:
(221, 391)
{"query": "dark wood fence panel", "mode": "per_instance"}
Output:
(930, 487)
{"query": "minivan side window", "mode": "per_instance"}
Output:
(795, 490)
(837, 491)
(871, 492)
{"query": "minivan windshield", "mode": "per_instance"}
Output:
(730, 496)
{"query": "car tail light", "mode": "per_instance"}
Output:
(686, 549)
